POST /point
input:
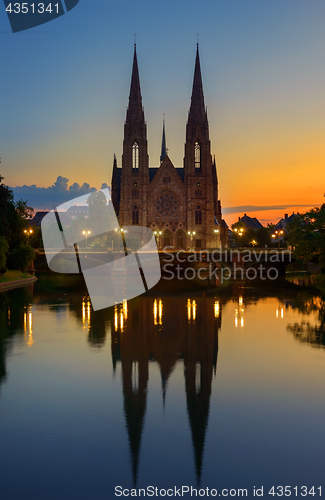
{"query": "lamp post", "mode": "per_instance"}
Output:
(122, 231)
(157, 235)
(86, 233)
(191, 234)
(278, 235)
(28, 232)
(239, 232)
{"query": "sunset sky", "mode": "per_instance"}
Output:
(65, 89)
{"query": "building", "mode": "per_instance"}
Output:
(250, 222)
(75, 210)
(283, 223)
(180, 204)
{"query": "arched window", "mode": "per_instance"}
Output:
(198, 215)
(197, 157)
(135, 156)
(135, 215)
(180, 239)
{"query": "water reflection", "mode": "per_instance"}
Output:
(166, 330)
(308, 331)
(151, 335)
(16, 318)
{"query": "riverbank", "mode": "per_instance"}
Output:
(15, 279)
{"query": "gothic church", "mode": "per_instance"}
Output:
(180, 204)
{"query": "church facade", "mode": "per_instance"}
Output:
(180, 205)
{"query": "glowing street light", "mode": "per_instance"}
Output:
(239, 232)
(122, 231)
(86, 233)
(191, 234)
(157, 235)
(28, 232)
(278, 234)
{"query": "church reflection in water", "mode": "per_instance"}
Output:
(166, 331)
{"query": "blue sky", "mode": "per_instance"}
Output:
(65, 88)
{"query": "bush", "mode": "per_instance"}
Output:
(21, 257)
(4, 247)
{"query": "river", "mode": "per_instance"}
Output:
(218, 389)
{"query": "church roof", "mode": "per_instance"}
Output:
(152, 173)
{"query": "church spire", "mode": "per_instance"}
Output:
(197, 116)
(135, 111)
(163, 144)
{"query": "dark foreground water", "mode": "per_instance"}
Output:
(207, 389)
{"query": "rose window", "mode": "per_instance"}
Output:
(166, 205)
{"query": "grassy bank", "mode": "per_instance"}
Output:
(14, 276)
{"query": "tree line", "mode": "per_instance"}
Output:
(15, 251)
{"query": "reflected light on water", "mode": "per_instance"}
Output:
(194, 310)
(125, 309)
(86, 311)
(191, 309)
(279, 312)
(216, 309)
(28, 326)
(157, 311)
(239, 313)
(120, 316)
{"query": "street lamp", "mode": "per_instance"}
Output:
(28, 232)
(278, 235)
(157, 235)
(86, 233)
(122, 231)
(239, 232)
(253, 243)
(191, 234)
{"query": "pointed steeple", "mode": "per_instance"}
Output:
(135, 111)
(163, 144)
(197, 116)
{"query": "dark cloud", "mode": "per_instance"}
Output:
(256, 208)
(46, 198)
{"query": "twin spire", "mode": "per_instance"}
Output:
(197, 114)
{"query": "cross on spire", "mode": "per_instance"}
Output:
(197, 37)
(135, 34)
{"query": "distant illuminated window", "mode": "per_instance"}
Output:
(135, 156)
(197, 157)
